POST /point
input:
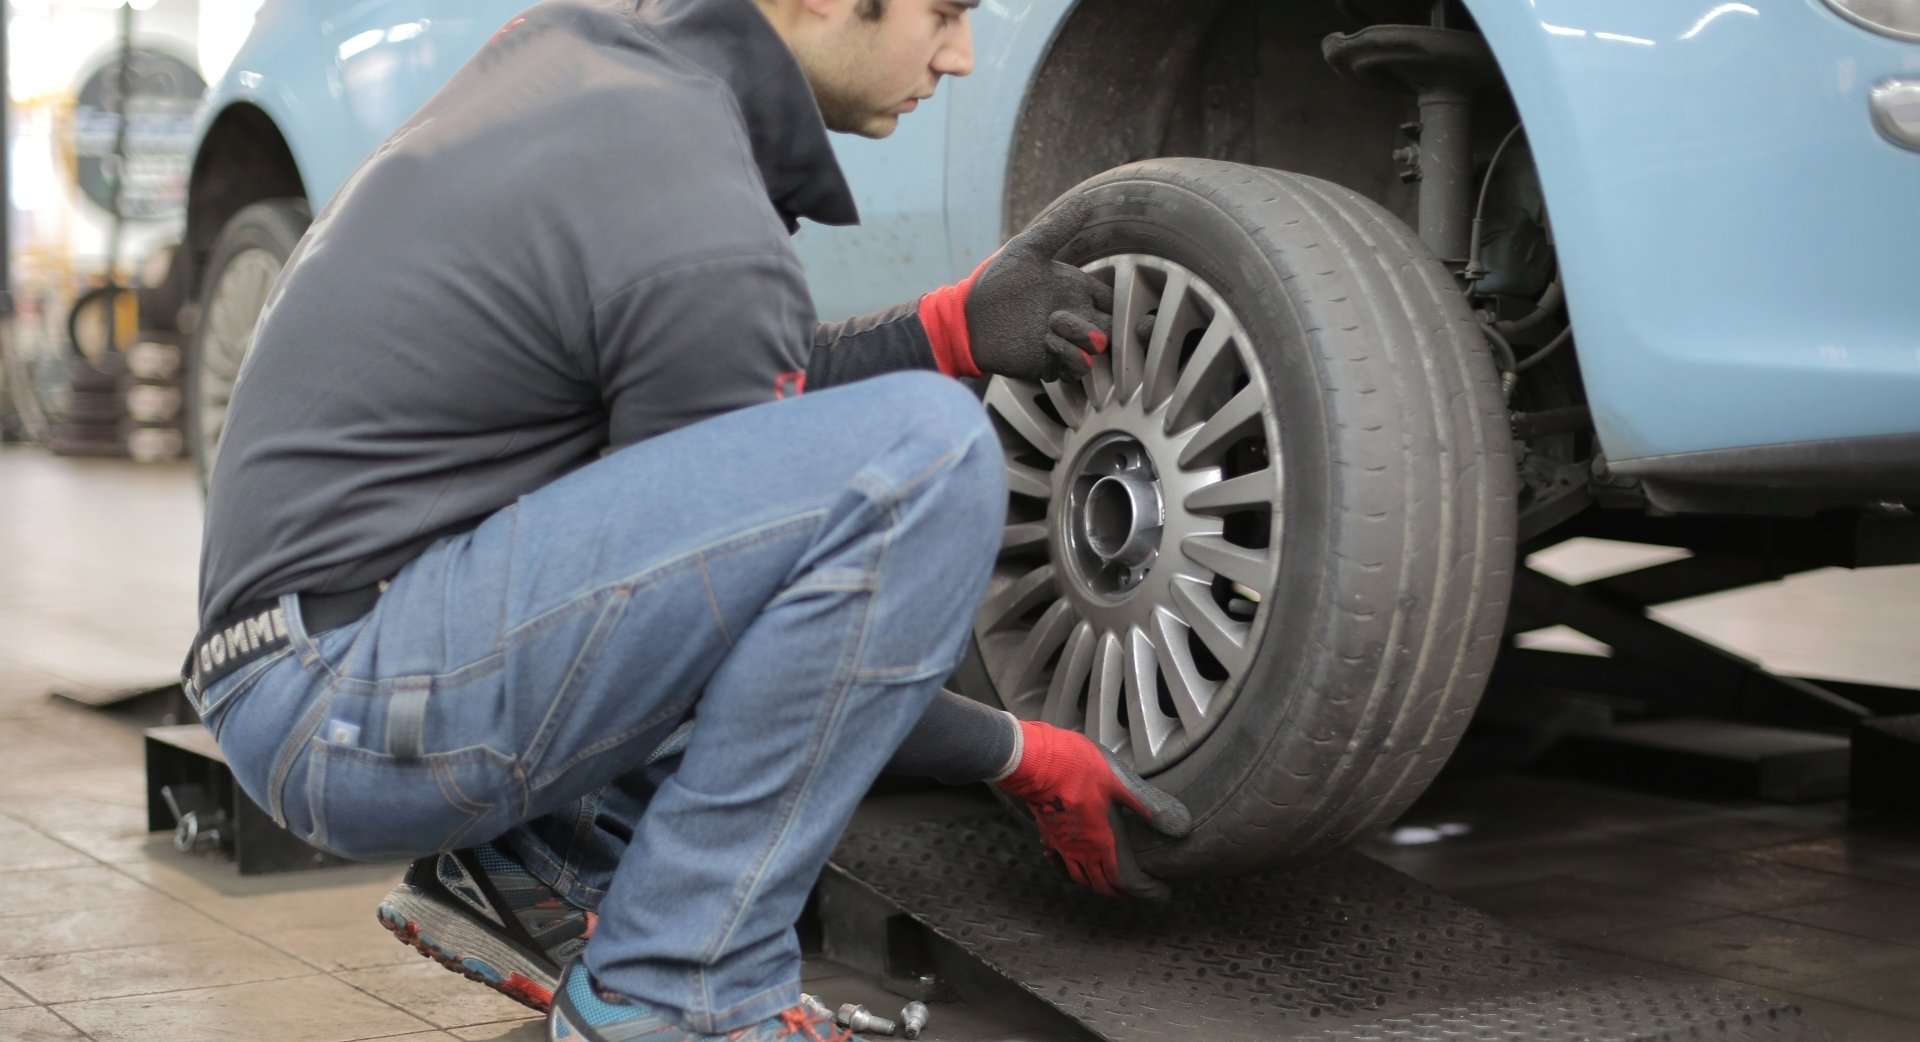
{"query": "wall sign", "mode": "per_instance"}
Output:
(165, 91)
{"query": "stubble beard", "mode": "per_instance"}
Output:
(846, 112)
(837, 77)
(848, 117)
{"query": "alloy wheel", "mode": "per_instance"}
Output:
(233, 309)
(1143, 531)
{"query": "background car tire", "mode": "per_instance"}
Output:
(1395, 529)
(252, 248)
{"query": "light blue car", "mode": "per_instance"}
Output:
(1264, 553)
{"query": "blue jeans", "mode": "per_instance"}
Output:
(799, 577)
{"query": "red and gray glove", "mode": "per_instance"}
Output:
(1075, 790)
(1022, 313)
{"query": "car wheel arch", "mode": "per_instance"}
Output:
(1114, 77)
(242, 159)
(1117, 79)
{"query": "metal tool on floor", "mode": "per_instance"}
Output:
(862, 1021)
(191, 793)
(913, 1019)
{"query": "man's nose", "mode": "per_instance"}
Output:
(956, 58)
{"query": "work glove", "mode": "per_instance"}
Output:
(1022, 313)
(1075, 790)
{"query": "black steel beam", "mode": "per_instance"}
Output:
(1842, 540)
(1696, 674)
(1696, 577)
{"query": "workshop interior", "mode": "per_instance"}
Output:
(1489, 510)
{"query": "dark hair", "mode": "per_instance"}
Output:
(871, 10)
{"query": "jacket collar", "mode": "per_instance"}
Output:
(732, 40)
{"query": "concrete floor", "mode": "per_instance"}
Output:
(109, 934)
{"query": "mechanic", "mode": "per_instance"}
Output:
(525, 545)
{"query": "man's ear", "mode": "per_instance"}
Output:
(786, 15)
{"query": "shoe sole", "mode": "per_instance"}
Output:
(467, 950)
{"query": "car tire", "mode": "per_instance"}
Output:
(1349, 416)
(160, 301)
(247, 257)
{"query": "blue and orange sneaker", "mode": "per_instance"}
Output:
(583, 1012)
(481, 914)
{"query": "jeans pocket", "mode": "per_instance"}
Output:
(370, 806)
(214, 702)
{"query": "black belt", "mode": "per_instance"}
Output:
(247, 634)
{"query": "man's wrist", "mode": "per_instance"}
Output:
(1019, 746)
(943, 314)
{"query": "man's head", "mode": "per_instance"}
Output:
(871, 61)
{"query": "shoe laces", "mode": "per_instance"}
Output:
(799, 1020)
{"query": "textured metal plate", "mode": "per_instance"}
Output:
(1347, 949)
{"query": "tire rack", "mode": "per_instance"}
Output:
(128, 401)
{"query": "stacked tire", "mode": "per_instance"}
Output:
(154, 392)
(93, 412)
(126, 400)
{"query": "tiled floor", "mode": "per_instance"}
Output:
(109, 934)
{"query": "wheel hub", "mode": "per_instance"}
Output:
(1117, 515)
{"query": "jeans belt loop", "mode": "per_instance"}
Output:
(407, 722)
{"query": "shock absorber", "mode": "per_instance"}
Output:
(1444, 69)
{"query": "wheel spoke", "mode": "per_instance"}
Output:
(1249, 568)
(1240, 412)
(1098, 383)
(1223, 636)
(1147, 725)
(1192, 693)
(1103, 703)
(1023, 480)
(1162, 362)
(1062, 708)
(1020, 680)
(1129, 355)
(1014, 401)
(1070, 399)
(1130, 300)
(1014, 599)
(1024, 536)
(1257, 489)
(1206, 356)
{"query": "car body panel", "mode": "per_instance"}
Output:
(276, 72)
(1735, 238)
(1011, 40)
(899, 249)
(380, 60)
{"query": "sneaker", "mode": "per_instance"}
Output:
(585, 1013)
(482, 915)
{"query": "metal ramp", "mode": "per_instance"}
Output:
(1346, 950)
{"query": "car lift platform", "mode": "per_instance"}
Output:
(1346, 949)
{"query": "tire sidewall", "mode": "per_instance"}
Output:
(1138, 215)
(274, 225)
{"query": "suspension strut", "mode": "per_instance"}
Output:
(1444, 69)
